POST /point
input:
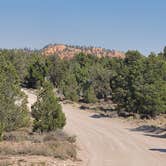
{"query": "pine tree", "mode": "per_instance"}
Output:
(69, 87)
(89, 95)
(47, 112)
(13, 109)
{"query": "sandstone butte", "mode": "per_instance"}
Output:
(68, 52)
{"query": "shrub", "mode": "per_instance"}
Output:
(47, 112)
(69, 87)
(37, 72)
(89, 95)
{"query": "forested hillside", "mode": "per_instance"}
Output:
(137, 84)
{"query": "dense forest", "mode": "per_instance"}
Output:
(136, 83)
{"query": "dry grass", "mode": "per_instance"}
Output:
(35, 161)
(22, 142)
(63, 150)
(27, 135)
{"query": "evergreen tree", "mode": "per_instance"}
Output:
(47, 112)
(13, 109)
(37, 71)
(89, 95)
(57, 69)
(69, 87)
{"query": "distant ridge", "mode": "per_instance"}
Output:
(69, 51)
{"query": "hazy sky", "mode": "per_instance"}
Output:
(113, 24)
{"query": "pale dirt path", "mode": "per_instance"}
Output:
(32, 98)
(109, 142)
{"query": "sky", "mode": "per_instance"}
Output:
(112, 24)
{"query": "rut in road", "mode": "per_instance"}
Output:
(109, 142)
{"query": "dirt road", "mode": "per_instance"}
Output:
(109, 142)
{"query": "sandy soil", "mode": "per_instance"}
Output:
(32, 98)
(111, 142)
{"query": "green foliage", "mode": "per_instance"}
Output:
(136, 83)
(20, 59)
(140, 84)
(100, 80)
(89, 95)
(69, 87)
(47, 112)
(132, 82)
(13, 109)
(37, 71)
(57, 69)
(151, 99)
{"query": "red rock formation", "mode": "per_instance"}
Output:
(68, 52)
